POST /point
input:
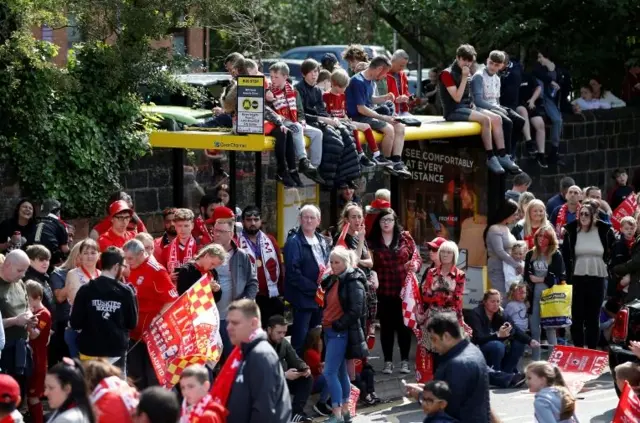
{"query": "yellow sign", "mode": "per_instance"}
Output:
(251, 81)
(289, 202)
(210, 140)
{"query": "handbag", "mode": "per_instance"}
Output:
(555, 306)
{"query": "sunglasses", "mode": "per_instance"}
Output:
(585, 214)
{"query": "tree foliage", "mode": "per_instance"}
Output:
(69, 132)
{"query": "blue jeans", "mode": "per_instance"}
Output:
(499, 358)
(534, 321)
(320, 385)
(335, 367)
(554, 115)
(71, 339)
(303, 320)
(227, 346)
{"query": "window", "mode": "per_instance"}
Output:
(47, 34)
(74, 36)
(178, 43)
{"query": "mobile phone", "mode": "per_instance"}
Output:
(434, 221)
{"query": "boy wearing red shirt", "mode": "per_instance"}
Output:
(198, 405)
(335, 102)
(183, 247)
(117, 235)
(155, 292)
(38, 340)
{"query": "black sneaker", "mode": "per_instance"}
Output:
(518, 380)
(375, 397)
(305, 167)
(322, 408)
(531, 148)
(368, 400)
(296, 178)
(286, 179)
(301, 417)
(401, 170)
(542, 161)
(365, 162)
(380, 160)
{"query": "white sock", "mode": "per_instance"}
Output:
(376, 154)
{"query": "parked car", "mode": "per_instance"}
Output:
(318, 52)
(626, 328)
(295, 71)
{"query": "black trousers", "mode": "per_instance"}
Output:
(512, 124)
(390, 316)
(269, 307)
(285, 154)
(139, 367)
(300, 390)
(588, 295)
(57, 346)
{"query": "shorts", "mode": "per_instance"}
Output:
(35, 384)
(460, 114)
(375, 124)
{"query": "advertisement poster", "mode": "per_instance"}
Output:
(628, 410)
(186, 333)
(578, 365)
(290, 200)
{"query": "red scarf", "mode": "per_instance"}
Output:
(197, 410)
(285, 101)
(200, 229)
(630, 243)
(529, 239)
(173, 261)
(222, 387)
(561, 219)
(88, 275)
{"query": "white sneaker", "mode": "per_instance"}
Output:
(388, 368)
(404, 367)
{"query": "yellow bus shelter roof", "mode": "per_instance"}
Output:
(433, 127)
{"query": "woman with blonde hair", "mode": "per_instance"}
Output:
(147, 241)
(553, 402)
(524, 200)
(543, 268)
(343, 323)
(535, 217)
(204, 263)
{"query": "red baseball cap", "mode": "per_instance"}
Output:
(436, 243)
(9, 390)
(221, 212)
(119, 207)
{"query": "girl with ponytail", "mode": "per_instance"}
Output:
(553, 402)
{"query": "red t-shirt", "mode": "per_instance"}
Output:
(336, 104)
(313, 360)
(181, 252)
(447, 79)
(154, 289)
(40, 352)
(105, 224)
(111, 239)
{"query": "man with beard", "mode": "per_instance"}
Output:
(168, 214)
(105, 310)
(183, 247)
(264, 253)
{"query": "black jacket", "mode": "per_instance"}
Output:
(620, 254)
(607, 237)
(351, 293)
(188, 274)
(563, 79)
(288, 357)
(48, 299)
(259, 393)
(485, 331)
(631, 267)
(465, 370)
(104, 310)
(556, 273)
(312, 102)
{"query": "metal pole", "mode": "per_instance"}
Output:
(232, 181)
(395, 40)
(419, 73)
(178, 177)
(258, 173)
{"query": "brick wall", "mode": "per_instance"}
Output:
(593, 144)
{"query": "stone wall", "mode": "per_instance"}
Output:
(593, 145)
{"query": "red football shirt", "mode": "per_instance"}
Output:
(111, 239)
(40, 352)
(336, 104)
(154, 289)
(105, 224)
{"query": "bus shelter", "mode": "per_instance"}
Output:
(451, 192)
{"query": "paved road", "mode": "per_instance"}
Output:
(596, 404)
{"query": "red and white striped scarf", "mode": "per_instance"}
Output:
(285, 101)
(561, 219)
(173, 261)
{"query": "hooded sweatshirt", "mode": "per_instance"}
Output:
(547, 406)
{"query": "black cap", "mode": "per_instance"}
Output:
(50, 205)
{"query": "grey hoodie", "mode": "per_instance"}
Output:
(547, 405)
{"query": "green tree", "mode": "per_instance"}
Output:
(69, 132)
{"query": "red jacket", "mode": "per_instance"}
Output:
(392, 87)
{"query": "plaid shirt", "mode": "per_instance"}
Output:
(389, 264)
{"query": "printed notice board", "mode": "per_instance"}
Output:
(250, 105)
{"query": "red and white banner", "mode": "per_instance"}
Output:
(626, 208)
(628, 410)
(186, 333)
(578, 365)
(354, 396)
